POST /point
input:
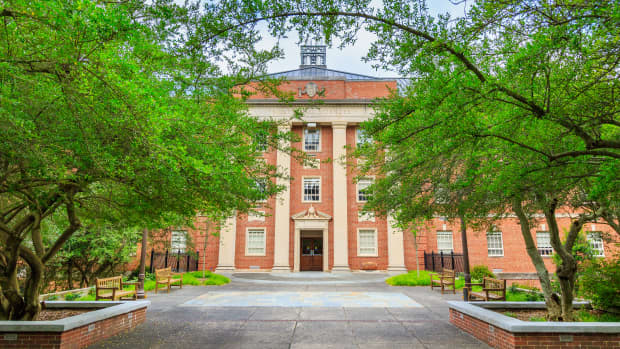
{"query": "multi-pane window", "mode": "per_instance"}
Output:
(312, 139)
(361, 137)
(261, 186)
(495, 245)
(255, 242)
(596, 243)
(260, 142)
(312, 189)
(178, 241)
(444, 241)
(543, 242)
(367, 242)
(362, 186)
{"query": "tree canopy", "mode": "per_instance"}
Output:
(114, 113)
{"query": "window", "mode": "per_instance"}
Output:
(362, 193)
(312, 189)
(543, 242)
(255, 242)
(260, 142)
(495, 244)
(261, 187)
(312, 139)
(444, 241)
(178, 241)
(367, 242)
(361, 137)
(596, 242)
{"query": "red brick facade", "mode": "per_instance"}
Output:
(80, 337)
(500, 338)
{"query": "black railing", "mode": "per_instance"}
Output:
(180, 262)
(438, 261)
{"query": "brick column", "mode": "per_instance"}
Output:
(341, 236)
(396, 248)
(283, 211)
(226, 256)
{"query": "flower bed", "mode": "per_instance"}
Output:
(80, 331)
(500, 331)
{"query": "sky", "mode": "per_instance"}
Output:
(350, 58)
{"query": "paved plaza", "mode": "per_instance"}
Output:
(316, 310)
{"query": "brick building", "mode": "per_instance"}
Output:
(315, 223)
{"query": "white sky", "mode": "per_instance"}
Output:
(350, 58)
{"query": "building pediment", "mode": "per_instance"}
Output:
(311, 214)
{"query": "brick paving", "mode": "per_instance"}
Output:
(171, 325)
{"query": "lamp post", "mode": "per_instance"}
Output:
(141, 294)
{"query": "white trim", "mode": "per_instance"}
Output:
(365, 217)
(599, 235)
(247, 234)
(376, 253)
(313, 164)
(442, 232)
(303, 139)
(303, 178)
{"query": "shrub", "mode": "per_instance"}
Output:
(71, 296)
(52, 297)
(478, 272)
(600, 282)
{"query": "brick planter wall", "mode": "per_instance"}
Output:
(504, 339)
(51, 336)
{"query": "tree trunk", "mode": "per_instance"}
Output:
(16, 306)
(552, 300)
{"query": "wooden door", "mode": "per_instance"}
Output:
(311, 258)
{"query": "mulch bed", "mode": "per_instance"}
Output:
(57, 314)
(523, 314)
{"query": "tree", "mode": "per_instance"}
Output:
(512, 108)
(112, 112)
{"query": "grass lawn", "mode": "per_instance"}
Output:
(412, 279)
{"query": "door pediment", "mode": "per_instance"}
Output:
(311, 219)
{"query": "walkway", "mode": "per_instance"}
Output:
(292, 311)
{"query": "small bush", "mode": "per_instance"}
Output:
(71, 296)
(478, 272)
(52, 297)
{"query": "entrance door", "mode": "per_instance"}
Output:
(311, 254)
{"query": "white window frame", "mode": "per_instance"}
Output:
(303, 195)
(444, 233)
(544, 247)
(318, 147)
(175, 243)
(263, 182)
(594, 238)
(376, 243)
(247, 240)
(357, 187)
(358, 141)
(256, 216)
(261, 144)
(501, 241)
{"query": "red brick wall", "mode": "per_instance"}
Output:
(327, 186)
(380, 224)
(515, 259)
(499, 338)
(334, 89)
(264, 262)
(79, 337)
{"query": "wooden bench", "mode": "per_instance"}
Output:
(113, 289)
(444, 280)
(492, 290)
(166, 277)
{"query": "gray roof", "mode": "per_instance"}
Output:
(320, 73)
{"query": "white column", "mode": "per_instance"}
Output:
(326, 250)
(226, 257)
(341, 236)
(283, 211)
(396, 248)
(297, 250)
